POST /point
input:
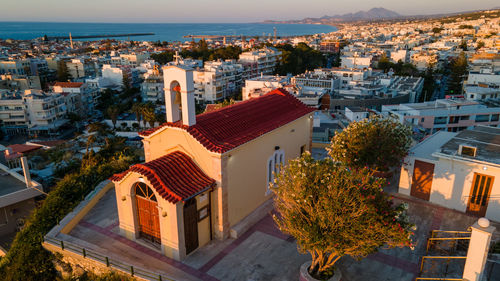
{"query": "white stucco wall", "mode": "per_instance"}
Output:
(452, 181)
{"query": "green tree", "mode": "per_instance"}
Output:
(126, 81)
(429, 85)
(437, 30)
(298, 59)
(27, 260)
(137, 109)
(480, 44)
(376, 142)
(384, 63)
(62, 71)
(113, 111)
(148, 113)
(463, 45)
(333, 211)
(458, 70)
(164, 57)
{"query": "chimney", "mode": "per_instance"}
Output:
(26, 171)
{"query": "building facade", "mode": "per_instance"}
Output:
(201, 177)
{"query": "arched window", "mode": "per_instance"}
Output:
(274, 164)
(142, 190)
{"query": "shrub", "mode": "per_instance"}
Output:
(27, 259)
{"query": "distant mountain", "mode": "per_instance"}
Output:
(372, 14)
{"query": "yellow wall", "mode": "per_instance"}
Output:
(240, 174)
(203, 225)
(172, 237)
(247, 166)
(174, 139)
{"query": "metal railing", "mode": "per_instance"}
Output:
(435, 279)
(123, 267)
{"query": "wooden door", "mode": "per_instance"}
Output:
(190, 225)
(147, 213)
(479, 195)
(422, 180)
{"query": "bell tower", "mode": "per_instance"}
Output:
(179, 94)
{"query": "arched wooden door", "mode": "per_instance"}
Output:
(147, 213)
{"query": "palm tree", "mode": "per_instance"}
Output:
(113, 112)
(137, 109)
(148, 113)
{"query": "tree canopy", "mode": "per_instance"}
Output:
(458, 69)
(334, 211)
(296, 60)
(377, 143)
(200, 51)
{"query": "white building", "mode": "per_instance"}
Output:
(399, 55)
(356, 113)
(457, 171)
(255, 87)
(257, 62)
(114, 74)
(356, 62)
(217, 80)
(446, 114)
(33, 110)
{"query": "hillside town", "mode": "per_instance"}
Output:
(199, 137)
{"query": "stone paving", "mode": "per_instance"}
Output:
(263, 252)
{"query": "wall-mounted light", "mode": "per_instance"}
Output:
(124, 198)
(164, 214)
(485, 168)
(292, 130)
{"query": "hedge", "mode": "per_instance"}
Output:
(27, 259)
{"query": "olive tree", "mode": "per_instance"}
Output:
(334, 211)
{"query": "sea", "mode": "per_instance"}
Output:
(162, 31)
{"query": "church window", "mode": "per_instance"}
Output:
(274, 164)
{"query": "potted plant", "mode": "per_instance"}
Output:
(333, 211)
(377, 143)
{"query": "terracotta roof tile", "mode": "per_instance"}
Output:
(231, 126)
(174, 176)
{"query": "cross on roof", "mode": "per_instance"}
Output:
(177, 57)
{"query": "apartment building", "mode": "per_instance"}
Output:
(217, 80)
(83, 99)
(257, 62)
(451, 115)
(15, 66)
(80, 68)
(33, 111)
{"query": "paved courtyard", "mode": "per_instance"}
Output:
(263, 252)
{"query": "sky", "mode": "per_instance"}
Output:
(196, 11)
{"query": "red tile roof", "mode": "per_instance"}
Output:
(231, 126)
(17, 150)
(69, 84)
(175, 176)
